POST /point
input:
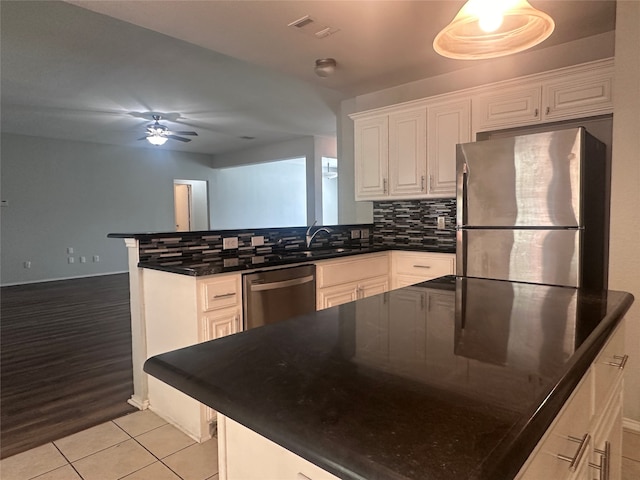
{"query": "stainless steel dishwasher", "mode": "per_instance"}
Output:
(275, 295)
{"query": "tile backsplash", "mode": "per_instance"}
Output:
(413, 223)
(202, 246)
(403, 223)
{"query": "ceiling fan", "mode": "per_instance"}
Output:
(158, 134)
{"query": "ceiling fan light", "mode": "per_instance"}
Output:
(493, 28)
(157, 140)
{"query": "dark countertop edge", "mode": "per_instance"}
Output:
(202, 271)
(516, 447)
(199, 233)
(523, 438)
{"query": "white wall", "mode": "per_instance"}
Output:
(259, 195)
(312, 148)
(72, 194)
(624, 265)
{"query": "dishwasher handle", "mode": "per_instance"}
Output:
(257, 287)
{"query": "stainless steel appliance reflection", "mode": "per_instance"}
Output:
(275, 295)
(534, 208)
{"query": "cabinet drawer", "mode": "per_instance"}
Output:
(336, 272)
(423, 265)
(608, 368)
(573, 421)
(220, 293)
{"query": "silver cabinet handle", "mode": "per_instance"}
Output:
(535, 113)
(621, 364)
(605, 461)
(430, 182)
(575, 460)
(421, 266)
(384, 185)
(224, 295)
(547, 110)
(422, 183)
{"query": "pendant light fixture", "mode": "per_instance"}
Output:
(493, 28)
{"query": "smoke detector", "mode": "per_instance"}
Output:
(325, 67)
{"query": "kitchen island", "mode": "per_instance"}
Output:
(450, 379)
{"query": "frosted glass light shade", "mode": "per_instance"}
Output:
(157, 140)
(493, 28)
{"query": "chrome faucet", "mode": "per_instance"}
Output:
(311, 236)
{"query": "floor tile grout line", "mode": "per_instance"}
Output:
(160, 459)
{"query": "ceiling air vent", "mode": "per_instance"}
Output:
(312, 28)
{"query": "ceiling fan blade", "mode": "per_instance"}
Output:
(143, 138)
(175, 137)
(184, 133)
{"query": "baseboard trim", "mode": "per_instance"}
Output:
(631, 425)
(140, 405)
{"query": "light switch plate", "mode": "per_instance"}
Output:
(229, 243)
(440, 223)
(355, 234)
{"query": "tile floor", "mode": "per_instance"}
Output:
(139, 446)
(142, 446)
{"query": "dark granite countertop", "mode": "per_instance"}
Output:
(451, 379)
(233, 263)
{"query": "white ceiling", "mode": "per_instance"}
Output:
(93, 70)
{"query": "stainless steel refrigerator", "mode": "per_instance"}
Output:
(534, 208)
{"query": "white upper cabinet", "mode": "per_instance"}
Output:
(372, 157)
(449, 123)
(407, 152)
(568, 93)
(418, 148)
(507, 107)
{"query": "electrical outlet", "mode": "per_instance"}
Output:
(71, 260)
(355, 234)
(257, 241)
(229, 243)
(96, 258)
(27, 264)
(440, 223)
(83, 259)
(69, 249)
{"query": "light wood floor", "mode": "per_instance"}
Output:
(65, 358)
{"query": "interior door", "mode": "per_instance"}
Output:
(182, 204)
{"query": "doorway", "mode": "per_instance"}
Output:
(191, 205)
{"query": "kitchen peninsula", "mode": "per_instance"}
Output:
(456, 378)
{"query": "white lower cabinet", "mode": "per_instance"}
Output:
(347, 279)
(181, 311)
(409, 268)
(585, 440)
(245, 455)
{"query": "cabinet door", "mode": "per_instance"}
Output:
(333, 296)
(220, 324)
(579, 95)
(508, 108)
(371, 157)
(373, 286)
(408, 153)
(447, 125)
